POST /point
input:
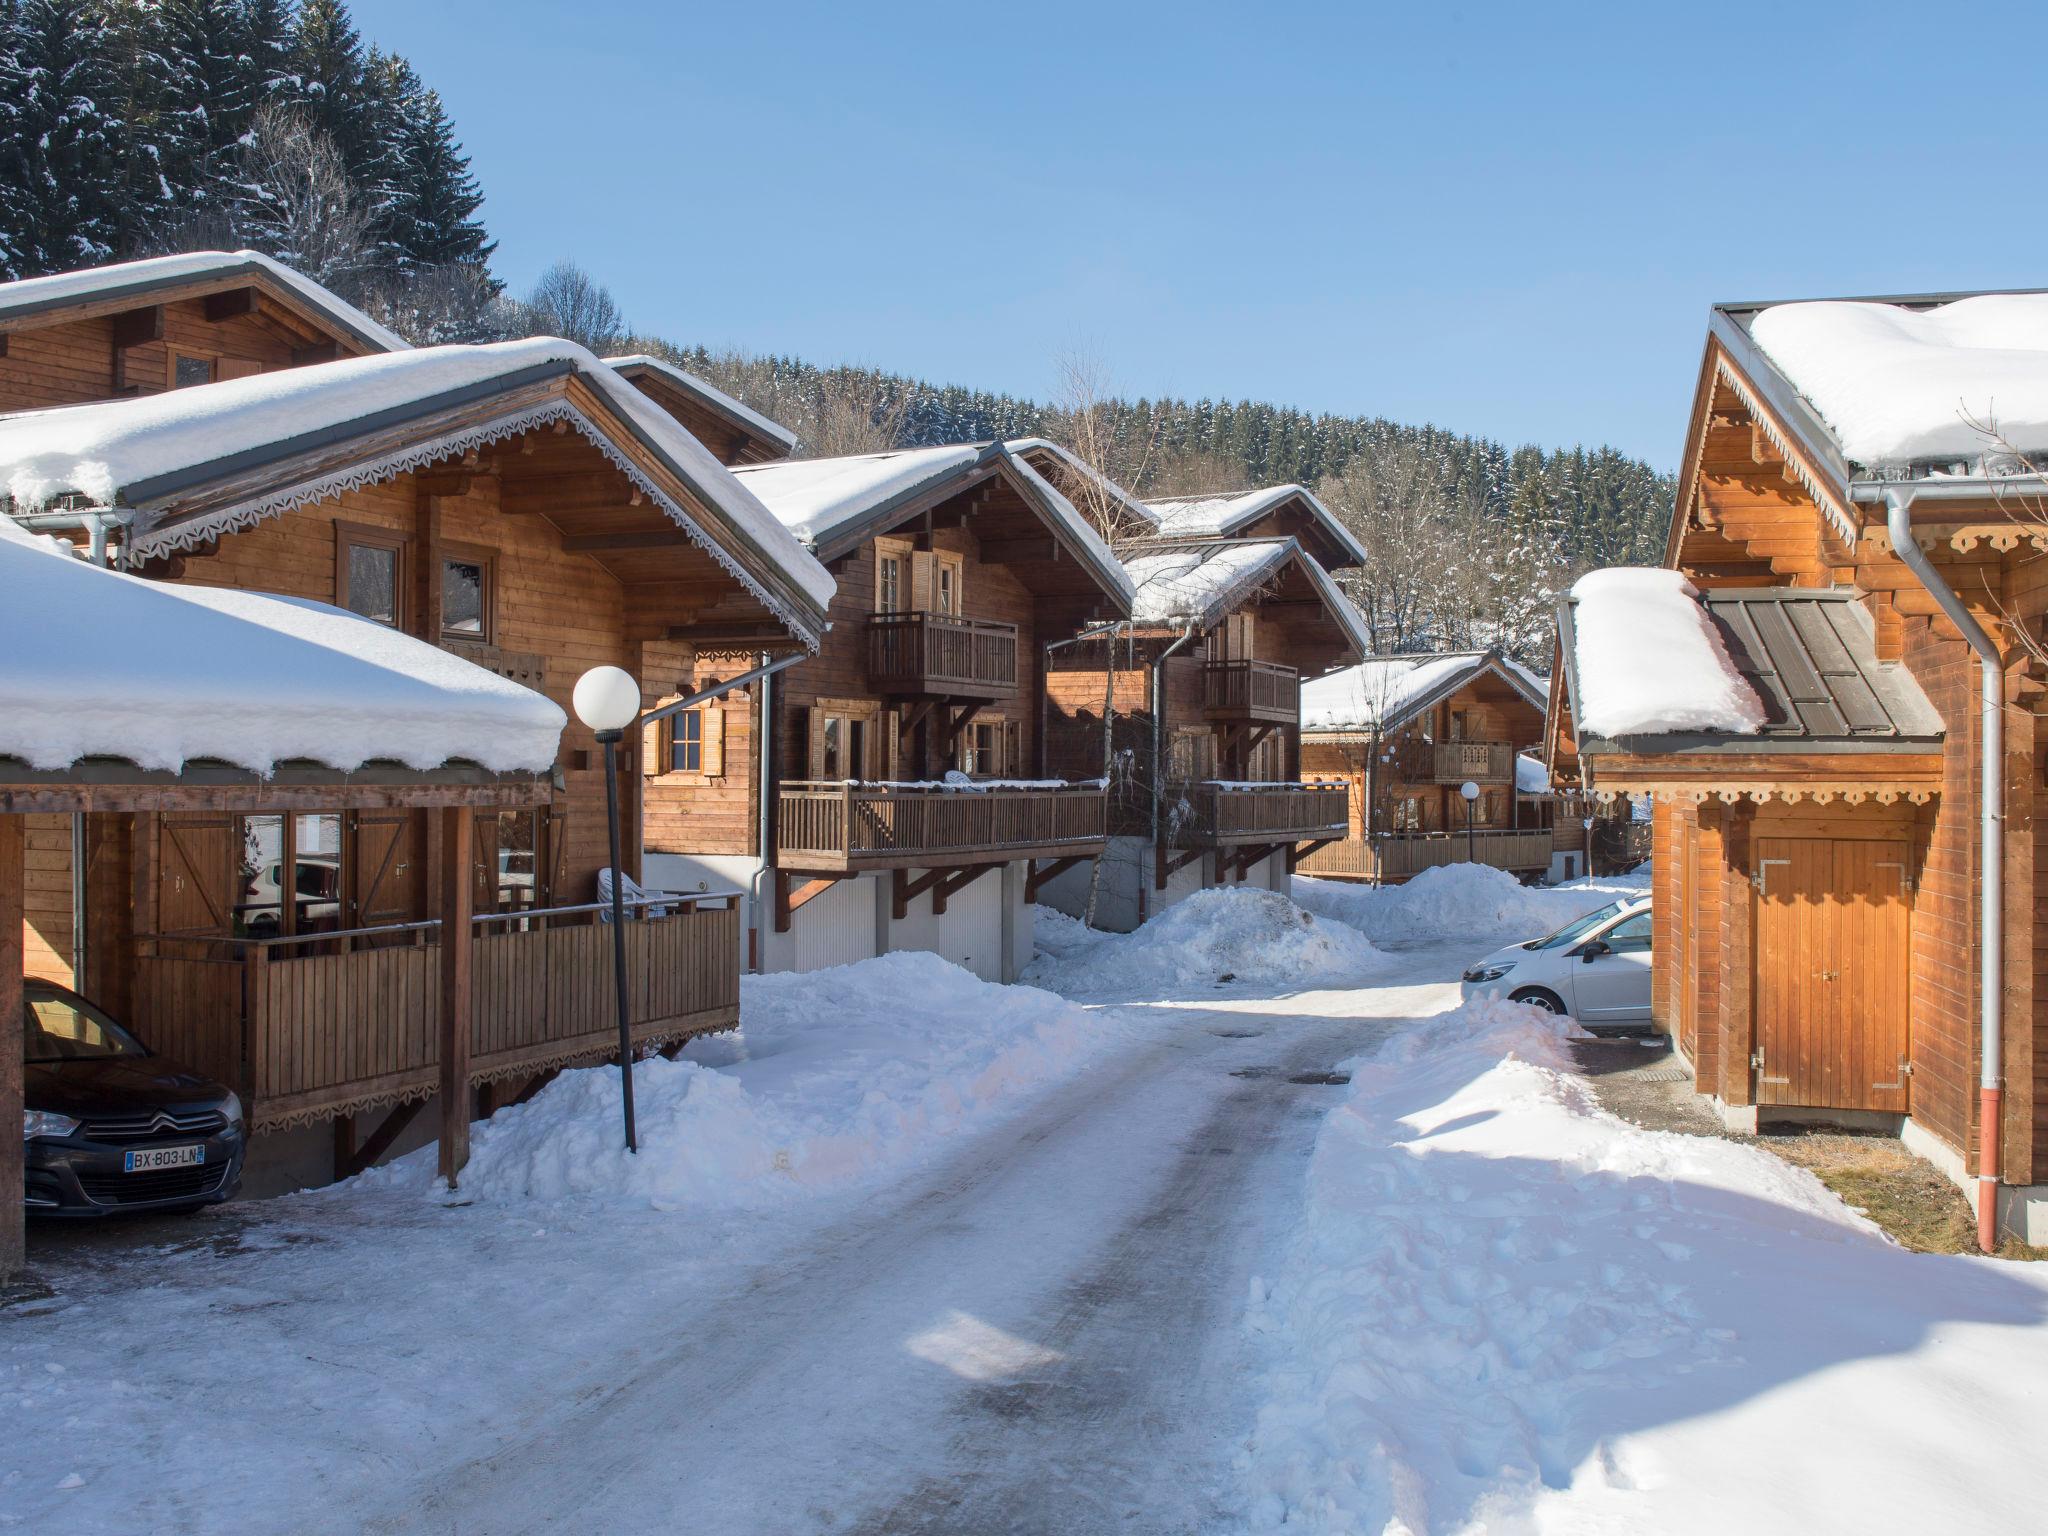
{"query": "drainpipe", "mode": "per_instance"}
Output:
(764, 749)
(1898, 501)
(1158, 751)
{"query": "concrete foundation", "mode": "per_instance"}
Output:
(1125, 895)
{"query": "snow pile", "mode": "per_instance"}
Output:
(1235, 931)
(832, 1075)
(1895, 384)
(1462, 901)
(1531, 777)
(103, 664)
(1650, 659)
(1504, 1309)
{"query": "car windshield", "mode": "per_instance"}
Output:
(1577, 929)
(62, 1027)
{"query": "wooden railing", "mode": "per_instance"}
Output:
(316, 1025)
(1483, 762)
(941, 653)
(1251, 690)
(1206, 813)
(832, 827)
(1398, 856)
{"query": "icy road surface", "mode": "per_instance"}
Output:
(1037, 1335)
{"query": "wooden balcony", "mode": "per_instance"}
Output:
(1393, 857)
(940, 655)
(832, 828)
(310, 1027)
(1483, 762)
(1260, 691)
(1222, 816)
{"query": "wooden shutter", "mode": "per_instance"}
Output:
(1013, 757)
(892, 745)
(558, 858)
(713, 751)
(658, 741)
(921, 583)
(236, 367)
(195, 872)
(816, 744)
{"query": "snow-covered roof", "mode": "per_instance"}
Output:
(743, 416)
(103, 664)
(1531, 777)
(819, 499)
(830, 502)
(1649, 660)
(1383, 693)
(138, 280)
(1219, 517)
(1064, 461)
(1200, 583)
(1895, 385)
(134, 452)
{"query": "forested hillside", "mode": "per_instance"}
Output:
(136, 127)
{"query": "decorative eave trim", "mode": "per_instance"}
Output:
(1880, 792)
(1965, 537)
(1795, 456)
(192, 533)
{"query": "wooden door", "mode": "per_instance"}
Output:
(1831, 955)
(384, 868)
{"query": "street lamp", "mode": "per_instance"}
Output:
(1471, 793)
(607, 699)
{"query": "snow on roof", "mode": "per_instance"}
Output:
(127, 450)
(1650, 660)
(103, 664)
(1894, 384)
(1200, 583)
(1531, 777)
(1383, 692)
(1072, 463)
(1216, 517)
(816, 498)
(717, 399)
(822, 500)
(34, 295)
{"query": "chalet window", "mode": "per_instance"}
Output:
(466, 598)
(510, 870)
(892, 573)
(1232, 639)
(369, 575)
(290, 876)
(690, 741)
(842, 734)
(187, 370)
(950, 578)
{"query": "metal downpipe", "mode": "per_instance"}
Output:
(1158, 757)
(1898, 503)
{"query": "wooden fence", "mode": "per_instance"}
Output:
(845, 826)
(921, 652)
(1251, 690)
(1270, 813)
(1483, 762)
(317, 1025)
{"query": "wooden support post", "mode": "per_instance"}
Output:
(228, 304)
(456, 827)
(13, 913)
(789, 899)
(904, 890)
(1040, 874)
(954, 882)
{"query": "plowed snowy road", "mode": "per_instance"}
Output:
(1038, 1334)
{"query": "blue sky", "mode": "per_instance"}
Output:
(1506, 219)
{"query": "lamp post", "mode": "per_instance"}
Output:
(607, 699)
(1471, 793)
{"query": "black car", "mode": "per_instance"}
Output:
(111, 1126)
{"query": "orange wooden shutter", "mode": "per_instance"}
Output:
(921, 584)
(713, 750)
(657, 742)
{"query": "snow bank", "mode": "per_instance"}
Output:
(1462, 901)
(1896, 384)
(832, 1075)
(1650, 659)
(1531, 777)
(1504, 1309)
(103, 664)
(1249, 935)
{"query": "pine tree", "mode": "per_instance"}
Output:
(431, 220)
(60, 175)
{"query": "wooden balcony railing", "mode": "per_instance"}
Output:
(1208, 814)
(1483, 762)
(1251, 690)
(317, 1025)
(941, 654)
(833, 828)
(1398, 856)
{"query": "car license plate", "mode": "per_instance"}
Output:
(149, 1159)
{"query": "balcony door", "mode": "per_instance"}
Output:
(847, 741)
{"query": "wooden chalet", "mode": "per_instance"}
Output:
(905, 762)
(734, 433)
(169, 322)
(1274, 512)
(1404, 734)
(520, 506)
(1194, 712)
(1849, 895)
(148, 716)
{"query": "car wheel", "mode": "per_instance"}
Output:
(1537, 997)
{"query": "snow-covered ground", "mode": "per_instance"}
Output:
(917, 1253)
(1503, 1309)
